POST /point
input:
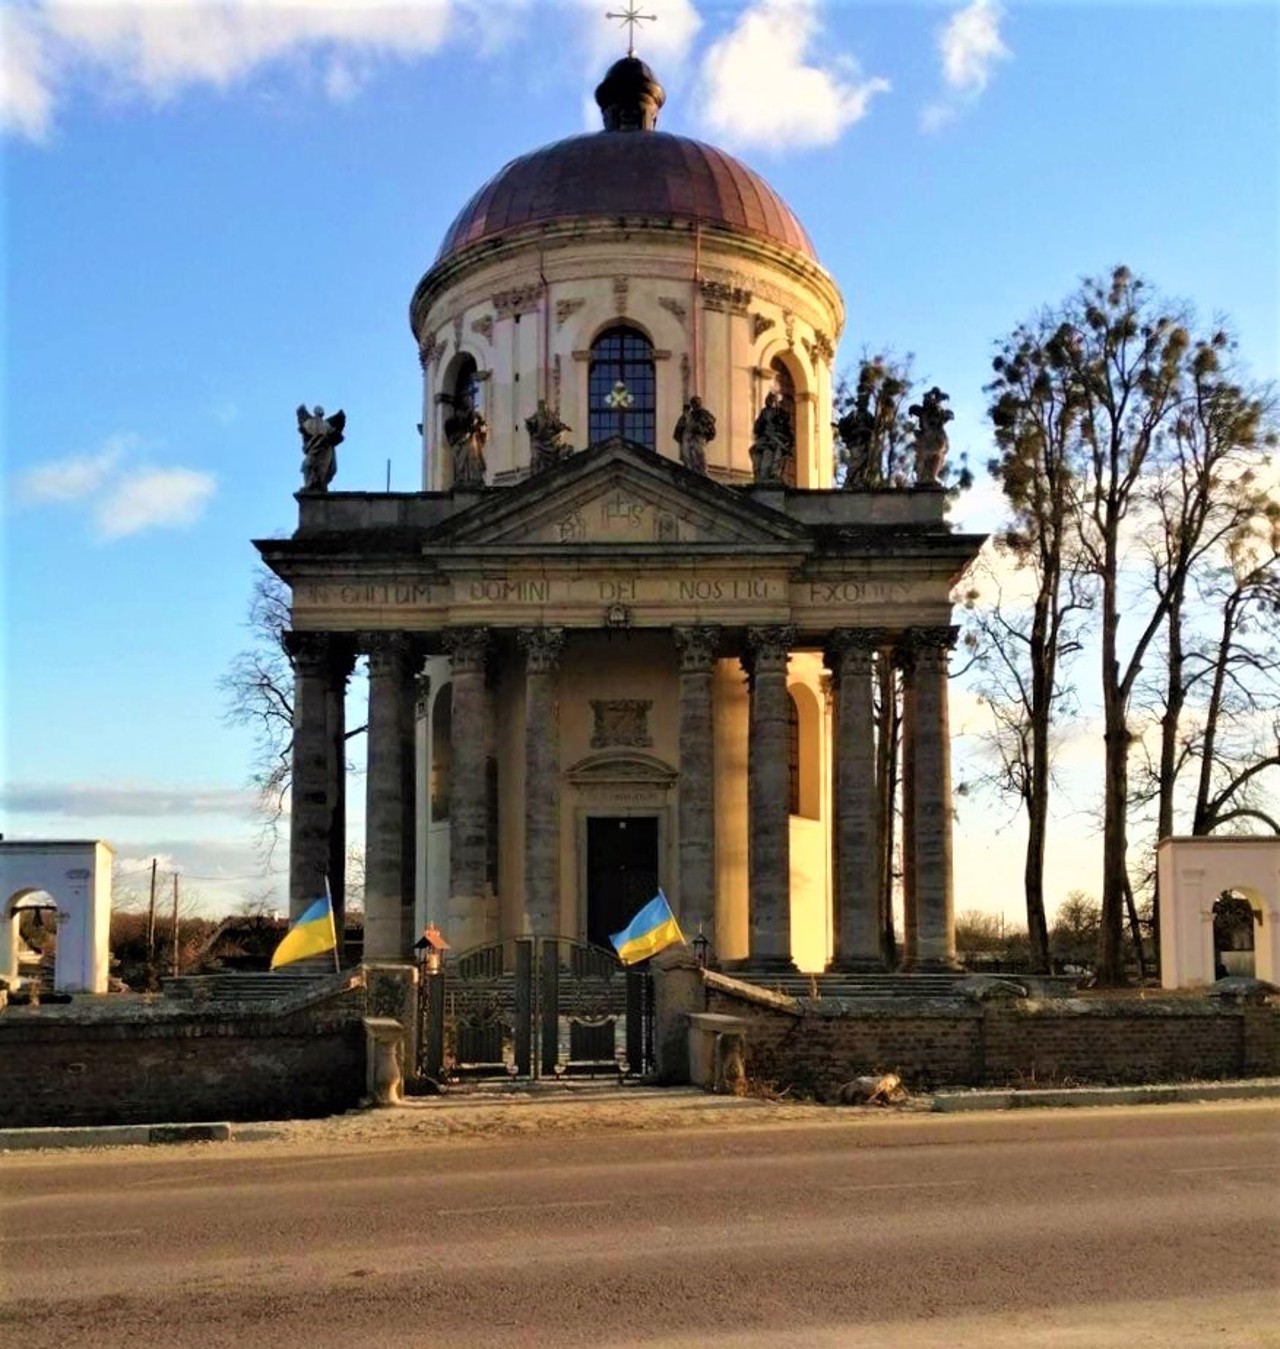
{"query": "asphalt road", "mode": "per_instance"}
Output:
(1123, 1226)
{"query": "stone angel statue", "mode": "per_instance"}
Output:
(694, 431)
(321, 437)
(931, 438)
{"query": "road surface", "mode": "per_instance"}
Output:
(1123, 1226)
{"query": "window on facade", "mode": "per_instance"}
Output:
(622, 357)
(785, 387)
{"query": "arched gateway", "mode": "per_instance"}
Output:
(660, 654)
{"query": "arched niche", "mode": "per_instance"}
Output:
(77, 878)
(805, 752)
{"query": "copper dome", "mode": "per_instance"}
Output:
(628, 170)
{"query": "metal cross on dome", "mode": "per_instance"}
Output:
(632, 16)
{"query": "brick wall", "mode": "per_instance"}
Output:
(193, 1065)
(816, 1048)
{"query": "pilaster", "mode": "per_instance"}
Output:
(470, 895)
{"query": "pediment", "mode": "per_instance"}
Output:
(619, 495)
(622, 769)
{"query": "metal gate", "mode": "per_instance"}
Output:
(535, 1007)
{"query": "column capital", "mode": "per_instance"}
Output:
(851, 650)
(542, 647)
(698, 647)
(387, 651)
(317, 653)
(768, 649)
(927, 647)
(468, 648)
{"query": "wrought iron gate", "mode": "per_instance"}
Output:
(536, 1007)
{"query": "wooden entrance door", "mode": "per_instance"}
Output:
(622, 871)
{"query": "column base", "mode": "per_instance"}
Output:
(856, 965)
(933, 965)
(761, 965)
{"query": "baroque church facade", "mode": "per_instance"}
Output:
(648, 661)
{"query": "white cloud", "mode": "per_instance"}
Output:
(155, 498)
(969, 47)
(764, 88)
(157, 48)
(73, 478)
(80, 800)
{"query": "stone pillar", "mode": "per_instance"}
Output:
(342, 659)
(312, 792)
(904, 656)
(856, 926)
(768, 801)
(697, 805)
(389, 806)
(930, 820)
(469, 891)
(542, 647)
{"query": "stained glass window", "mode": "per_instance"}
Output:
(621, 387)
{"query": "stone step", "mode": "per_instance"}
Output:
(857, 985)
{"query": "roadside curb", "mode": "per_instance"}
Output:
(112, 1136)
(1023, 1099)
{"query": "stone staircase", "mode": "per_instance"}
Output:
(247, 986)
(857, 985)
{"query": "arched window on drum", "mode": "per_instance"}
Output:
(784, 386)
(621, 387)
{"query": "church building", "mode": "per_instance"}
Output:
(627, 636)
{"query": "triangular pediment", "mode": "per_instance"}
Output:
(619, 495)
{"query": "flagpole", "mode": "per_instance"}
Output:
(337, 940)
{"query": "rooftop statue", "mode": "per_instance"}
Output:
(321, 437)
(545, 429)
(931, 438)
(694, 432)
(467, 433)
(857, 432)
(773, 441)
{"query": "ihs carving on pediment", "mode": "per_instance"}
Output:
(564, 308)
(518, 300)
(720, 296)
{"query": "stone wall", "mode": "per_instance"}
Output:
(815, 1045)
(112, 1061)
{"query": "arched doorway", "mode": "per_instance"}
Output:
(1234, 919)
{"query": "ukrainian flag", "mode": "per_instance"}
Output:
(311, 935)
(652, 929)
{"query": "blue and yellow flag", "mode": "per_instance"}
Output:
(311, 935)
(652, 929)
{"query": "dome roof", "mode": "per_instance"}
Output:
(631, 170)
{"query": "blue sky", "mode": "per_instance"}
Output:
(215, 211)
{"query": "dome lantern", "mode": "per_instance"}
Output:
(630, 97)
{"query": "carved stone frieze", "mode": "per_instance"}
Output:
(518, 300)
(621, 287)
(720, 297)
(621, 722)
(565, 309)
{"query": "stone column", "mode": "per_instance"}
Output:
(904, 655)
(312, 791)
(930, 832)
(389, 806)
(856, 927)
(542, 647)
(768, 801)
(697, 805)
(342, 659)
(469, 890)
